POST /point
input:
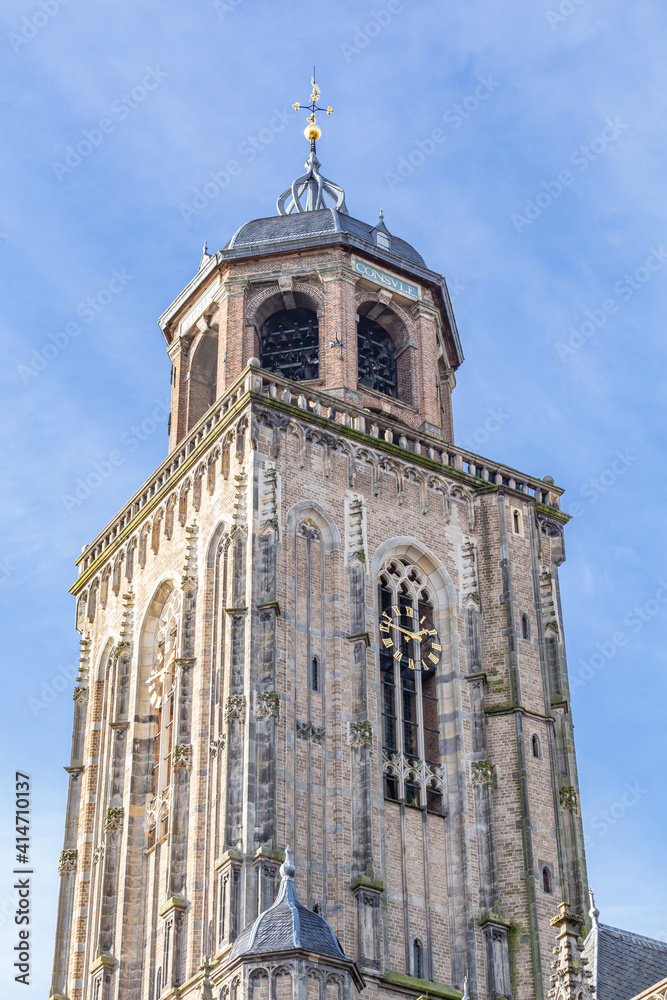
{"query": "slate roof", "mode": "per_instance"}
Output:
(287, 925)
(623, 964)
(280, 229)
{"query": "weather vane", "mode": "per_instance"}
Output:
(312, 130)
(307, 193)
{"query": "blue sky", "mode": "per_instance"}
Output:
(541, 198)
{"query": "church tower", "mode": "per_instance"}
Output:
(319, 626)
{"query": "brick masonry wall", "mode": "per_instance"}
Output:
(304, 786)
(256, 530)
(328, 284)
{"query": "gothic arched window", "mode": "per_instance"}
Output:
(161, 689)
(418, 959)
(546, 880)
(290, 345)
(376, 357)
(202, 383)
(410, 650)
(525, 626)
(535, 746)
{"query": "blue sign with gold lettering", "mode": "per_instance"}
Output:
(385, 279)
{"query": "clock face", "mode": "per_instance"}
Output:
(413, 641)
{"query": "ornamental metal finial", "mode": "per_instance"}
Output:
(312, 184)
(593, 913)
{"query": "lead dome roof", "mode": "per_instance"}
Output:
(281, 229)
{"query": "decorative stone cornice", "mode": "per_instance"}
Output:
(360, 734)
(102, 961)
(235, 708)
(172, 904)
(483, 772)
(181, 755)
(309, 731)
(267, 705)
(567, 795)
(68, 861)
(113, 818)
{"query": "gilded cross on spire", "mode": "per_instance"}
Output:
(306, 193)
(312, 130)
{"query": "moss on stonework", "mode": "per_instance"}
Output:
(501, 709)
(422, 986)
(494, 916)
(367, 881)
(513, 947)
(557, 515)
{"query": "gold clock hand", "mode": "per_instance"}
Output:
(413, 635)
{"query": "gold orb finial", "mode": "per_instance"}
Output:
(312, 129)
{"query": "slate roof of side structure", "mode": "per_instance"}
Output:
(288, 925)
(623, 964)
(322, 222)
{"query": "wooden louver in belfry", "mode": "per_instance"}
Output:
(290, 344)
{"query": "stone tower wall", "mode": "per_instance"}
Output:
(270, 523)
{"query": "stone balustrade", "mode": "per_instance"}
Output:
(256, 382)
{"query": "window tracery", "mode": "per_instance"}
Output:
(411, 737)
